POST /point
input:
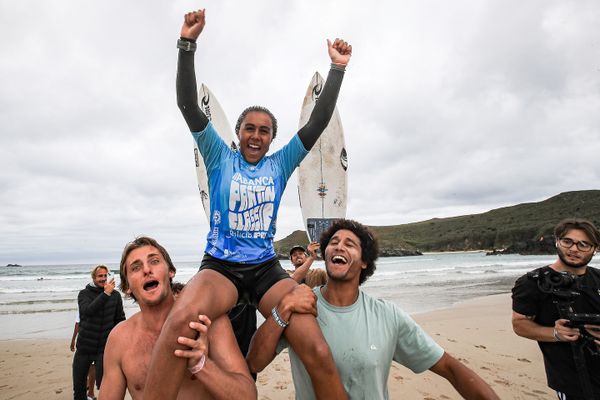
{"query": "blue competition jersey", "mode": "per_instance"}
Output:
(244, 198)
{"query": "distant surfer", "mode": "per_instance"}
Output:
(245, 185)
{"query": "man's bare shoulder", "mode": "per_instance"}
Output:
(122, 332)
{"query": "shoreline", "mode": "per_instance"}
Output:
(476, 331)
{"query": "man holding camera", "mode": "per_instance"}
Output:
(558, 306)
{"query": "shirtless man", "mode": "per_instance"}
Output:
(216, 373)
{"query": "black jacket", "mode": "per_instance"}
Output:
(98, 314)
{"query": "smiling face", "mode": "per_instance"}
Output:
(255, 135)
(100, 277)
(571, 256)
(343, 257)
(298, 257)
(148, 275)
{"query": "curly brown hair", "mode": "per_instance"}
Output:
(368, 243)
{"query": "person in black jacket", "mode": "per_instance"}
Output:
(100, 309)
(545, 299)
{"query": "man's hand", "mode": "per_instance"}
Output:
(312, 250)
(193, 24)
(565, 333)
(109, 286)
(339, 52)
(72, 345)
(301, 300)
(198, 347)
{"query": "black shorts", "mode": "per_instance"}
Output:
(251, 280)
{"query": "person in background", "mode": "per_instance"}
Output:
(536, 296)
(302, 260)
(100, 310)
(91, 380)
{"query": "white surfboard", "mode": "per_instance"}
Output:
(322, 175)
(211, 107)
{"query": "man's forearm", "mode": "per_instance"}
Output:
(89, 308)
(529, 329)
(263, 345)
(465, 381)
(470, 385)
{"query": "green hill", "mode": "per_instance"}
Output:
(494, 229)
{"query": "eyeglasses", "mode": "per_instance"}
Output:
(567, 243)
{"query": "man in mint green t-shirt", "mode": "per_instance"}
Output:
(364, 334)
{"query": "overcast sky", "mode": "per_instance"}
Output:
(449, 108)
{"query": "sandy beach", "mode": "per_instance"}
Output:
(478, 332)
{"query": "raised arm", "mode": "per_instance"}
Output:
(222, 371)
(340, 53)
(263, 346)
(300, 273)
(465, 381)
(187, 91)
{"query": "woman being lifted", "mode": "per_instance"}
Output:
(245, 185)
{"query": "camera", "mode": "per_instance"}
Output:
(577, 320)
(564, 288)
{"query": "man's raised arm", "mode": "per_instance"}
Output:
(300, 273)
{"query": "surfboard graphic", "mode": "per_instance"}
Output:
(322, 175)
(211, 107)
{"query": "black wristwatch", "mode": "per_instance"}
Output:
(186, 45)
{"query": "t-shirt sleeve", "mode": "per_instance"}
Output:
(415, 349)
(525, 296)
(290, 156)
(211, 146)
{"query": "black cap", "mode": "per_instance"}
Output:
(297, 247)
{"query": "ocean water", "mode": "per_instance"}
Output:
(40, 301)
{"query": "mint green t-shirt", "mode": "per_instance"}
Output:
(364, 338)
